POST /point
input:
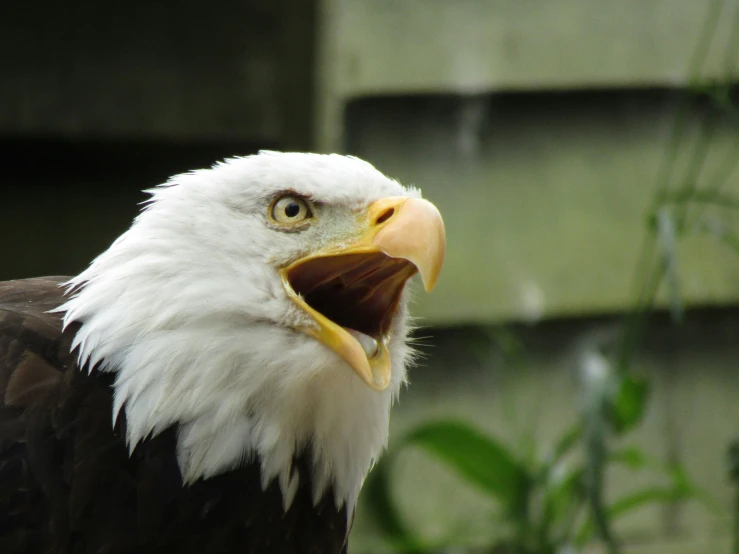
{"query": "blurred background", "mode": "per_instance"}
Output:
(579, 390)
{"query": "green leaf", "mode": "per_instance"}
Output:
(562, 488)
(682, 482)
(562, 496)
(630, 402)
(633, 458)
(710, 197)
(481, 460)
(646, 496)
(722, 234)
(377, 492)
(628, 503)
(563, 446)
(733, 460)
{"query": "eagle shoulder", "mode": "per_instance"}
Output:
(69, 484)
(33, 360)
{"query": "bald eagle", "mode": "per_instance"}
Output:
(220, 379)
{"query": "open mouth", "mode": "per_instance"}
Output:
(351, 290)
(359, 292)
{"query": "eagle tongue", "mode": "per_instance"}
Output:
(368, 344)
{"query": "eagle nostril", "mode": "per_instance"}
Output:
(384, 216)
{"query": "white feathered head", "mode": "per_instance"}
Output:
(260, 306)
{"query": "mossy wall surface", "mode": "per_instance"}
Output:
(546, 197)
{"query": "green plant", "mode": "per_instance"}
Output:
(550, 501)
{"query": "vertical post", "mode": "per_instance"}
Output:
(329, 102)
(733, 455)
(298, 44)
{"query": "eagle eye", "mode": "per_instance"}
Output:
(290, 209)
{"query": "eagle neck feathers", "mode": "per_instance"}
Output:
(229, 385)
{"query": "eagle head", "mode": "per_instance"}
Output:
(260, 307)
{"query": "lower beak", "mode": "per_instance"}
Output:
(352, 292)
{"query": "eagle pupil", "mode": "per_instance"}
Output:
(292, 209)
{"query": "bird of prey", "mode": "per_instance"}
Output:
(220, 379)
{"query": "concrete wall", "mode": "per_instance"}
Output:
(437, 46)
(546, 196)
(390, 47)
(99, 101)
(541, 130)
(172, 70)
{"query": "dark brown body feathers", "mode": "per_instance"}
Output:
(68, 485)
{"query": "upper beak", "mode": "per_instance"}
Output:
(412, 229)
(362, 282)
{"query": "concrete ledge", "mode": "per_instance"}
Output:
(411, 46)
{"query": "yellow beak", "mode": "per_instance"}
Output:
(352, 291)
